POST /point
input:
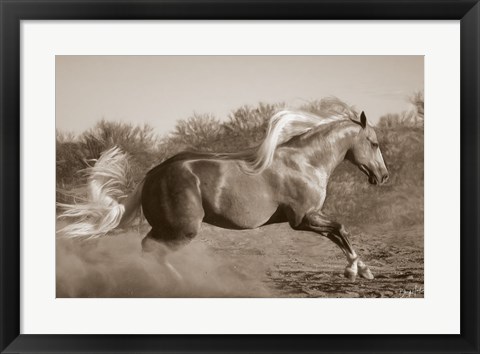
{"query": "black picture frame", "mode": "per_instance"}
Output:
(14, 11)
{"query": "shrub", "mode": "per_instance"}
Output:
(76, 153)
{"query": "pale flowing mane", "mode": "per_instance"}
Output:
(287, 124)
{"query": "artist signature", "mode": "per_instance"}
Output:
(417, 290)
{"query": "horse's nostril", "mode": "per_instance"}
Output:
(385, 178)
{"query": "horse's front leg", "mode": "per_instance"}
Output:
(336, 232)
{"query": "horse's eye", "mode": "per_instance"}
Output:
(374, 145)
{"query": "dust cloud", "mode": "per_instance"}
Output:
(114, 266)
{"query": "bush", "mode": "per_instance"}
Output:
(76, 153)
(413, 117)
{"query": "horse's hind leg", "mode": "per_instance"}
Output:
(172, 204)
(337, 233)
(153, 247)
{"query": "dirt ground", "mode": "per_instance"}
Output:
(272, 261)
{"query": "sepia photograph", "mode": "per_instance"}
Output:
(239, 176)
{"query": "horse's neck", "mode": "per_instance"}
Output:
(326, 148)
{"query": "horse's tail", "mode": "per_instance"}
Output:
(102, 212)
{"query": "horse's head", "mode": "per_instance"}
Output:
(366, 154)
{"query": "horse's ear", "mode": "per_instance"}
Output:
(363, 120)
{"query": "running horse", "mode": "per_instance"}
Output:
(284, 179)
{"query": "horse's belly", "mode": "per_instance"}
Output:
(231, 198)
(245, 209)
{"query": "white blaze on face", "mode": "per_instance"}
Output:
(380, 161)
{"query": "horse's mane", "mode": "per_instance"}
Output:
(282, 127)
(286, 124)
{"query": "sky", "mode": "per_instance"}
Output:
(160, 90)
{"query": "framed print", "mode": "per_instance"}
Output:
(239, 177)
(222, 271)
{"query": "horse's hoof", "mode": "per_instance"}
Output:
(350, 274)
(365, 272)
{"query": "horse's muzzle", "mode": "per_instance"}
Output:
(372, 177)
